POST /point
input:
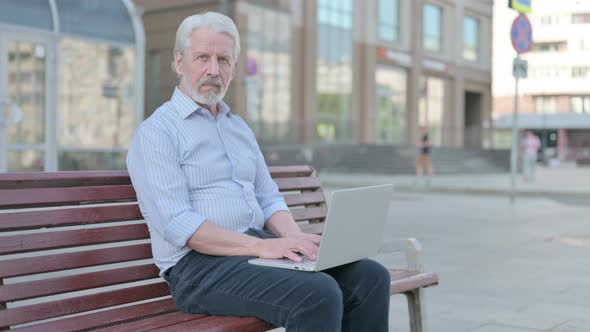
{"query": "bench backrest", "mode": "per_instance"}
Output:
(75, 242)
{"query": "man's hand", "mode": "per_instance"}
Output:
(306, 237)
(289, 247)
(291, 240)
(215, 240)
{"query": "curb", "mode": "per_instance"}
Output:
(494, 192)
(455, 189)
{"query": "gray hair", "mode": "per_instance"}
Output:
(209, 20)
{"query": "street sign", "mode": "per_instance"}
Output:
(521, 34)
(520, 68)
(522, 6)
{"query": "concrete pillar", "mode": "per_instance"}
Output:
(457, 128)
(415, 72)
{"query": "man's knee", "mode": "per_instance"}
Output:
(374, 274)
(325, 291)
(323, 297)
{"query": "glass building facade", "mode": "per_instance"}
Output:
(344, 72)
(71, 83)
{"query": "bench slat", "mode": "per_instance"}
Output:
(66, 217)
(109, 317)
(154, 322)
(404, 280)
(61, 196)
(72, 283)
(57, 262)
(22, 180)
(71, 178)
(298, 183)
(219, 323)
(311, 213)
(19, 177)
(290, 171)
(304, 199)
(35, 312)
(54, 240)
(314, 228)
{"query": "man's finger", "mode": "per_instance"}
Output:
(292, 256)
(308, 249)
(315, 238)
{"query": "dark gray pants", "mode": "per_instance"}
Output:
(351, 297)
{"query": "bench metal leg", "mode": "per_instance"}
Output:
(415, 310)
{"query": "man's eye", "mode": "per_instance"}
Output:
(223, 60)
(202, 57)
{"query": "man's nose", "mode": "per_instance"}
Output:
(213, 67)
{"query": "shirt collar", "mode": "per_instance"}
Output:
(186, 106)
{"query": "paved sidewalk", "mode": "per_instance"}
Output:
(567, 180)
(503, 267)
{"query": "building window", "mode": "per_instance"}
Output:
(580, 71)
(580, 104)
(546, 20)
(550, 46)
(546, 105)
(388, 24)
(582, 18)
(268, 74)
(432, 28)
(471, 33)
(96, 82)
(32, 13)
(431, 106)
(390, 115)
(334, 71)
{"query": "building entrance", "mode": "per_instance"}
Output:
(472, 120)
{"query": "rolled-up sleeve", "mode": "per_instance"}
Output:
(161, 187)
(267, 192)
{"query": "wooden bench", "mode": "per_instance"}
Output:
(75, 255)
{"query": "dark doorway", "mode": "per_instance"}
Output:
(472, 120)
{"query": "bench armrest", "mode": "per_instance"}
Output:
(412, 249)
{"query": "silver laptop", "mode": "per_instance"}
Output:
(353, 229)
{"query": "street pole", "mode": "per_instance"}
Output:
(515, 146)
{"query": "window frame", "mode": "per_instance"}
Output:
(441, 40)
(396, 25)
(478, 23)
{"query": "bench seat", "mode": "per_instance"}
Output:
(75, 255)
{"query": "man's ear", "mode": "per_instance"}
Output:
(178, 62)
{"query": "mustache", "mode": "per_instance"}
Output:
(211, 81)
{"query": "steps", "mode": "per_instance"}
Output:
(387, 159)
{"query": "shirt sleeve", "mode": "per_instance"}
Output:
(267, 192)
(161, 186)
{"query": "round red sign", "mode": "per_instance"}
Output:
(521, 34)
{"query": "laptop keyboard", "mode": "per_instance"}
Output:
(306, 262)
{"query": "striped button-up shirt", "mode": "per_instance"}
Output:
(188, 167)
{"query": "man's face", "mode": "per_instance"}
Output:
(207, 66)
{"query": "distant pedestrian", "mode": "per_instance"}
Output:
(530, 146)
(424, 160)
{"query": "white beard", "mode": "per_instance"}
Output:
(208, 98)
